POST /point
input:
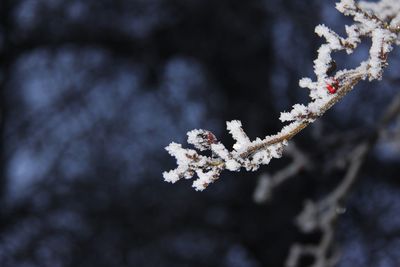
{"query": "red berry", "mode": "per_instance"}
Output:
(333, 86)
(331, 89)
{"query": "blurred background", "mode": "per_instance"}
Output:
(92, 91)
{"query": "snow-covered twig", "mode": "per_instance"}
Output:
(378, 21)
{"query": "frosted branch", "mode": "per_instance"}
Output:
(378, 21)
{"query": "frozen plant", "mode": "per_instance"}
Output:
(379, 21)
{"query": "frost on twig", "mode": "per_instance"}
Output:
(379, 21)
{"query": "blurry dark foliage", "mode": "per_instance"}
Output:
(91, 92)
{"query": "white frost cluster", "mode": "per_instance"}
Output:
(200, 139)
(379, 49)
(384, 10)
(236, 130)
(379, 21)
(299, 113)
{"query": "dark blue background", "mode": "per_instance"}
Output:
(91, 93)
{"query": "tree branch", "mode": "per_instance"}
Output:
(325, 92)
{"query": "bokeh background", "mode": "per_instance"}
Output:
(92, 91)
